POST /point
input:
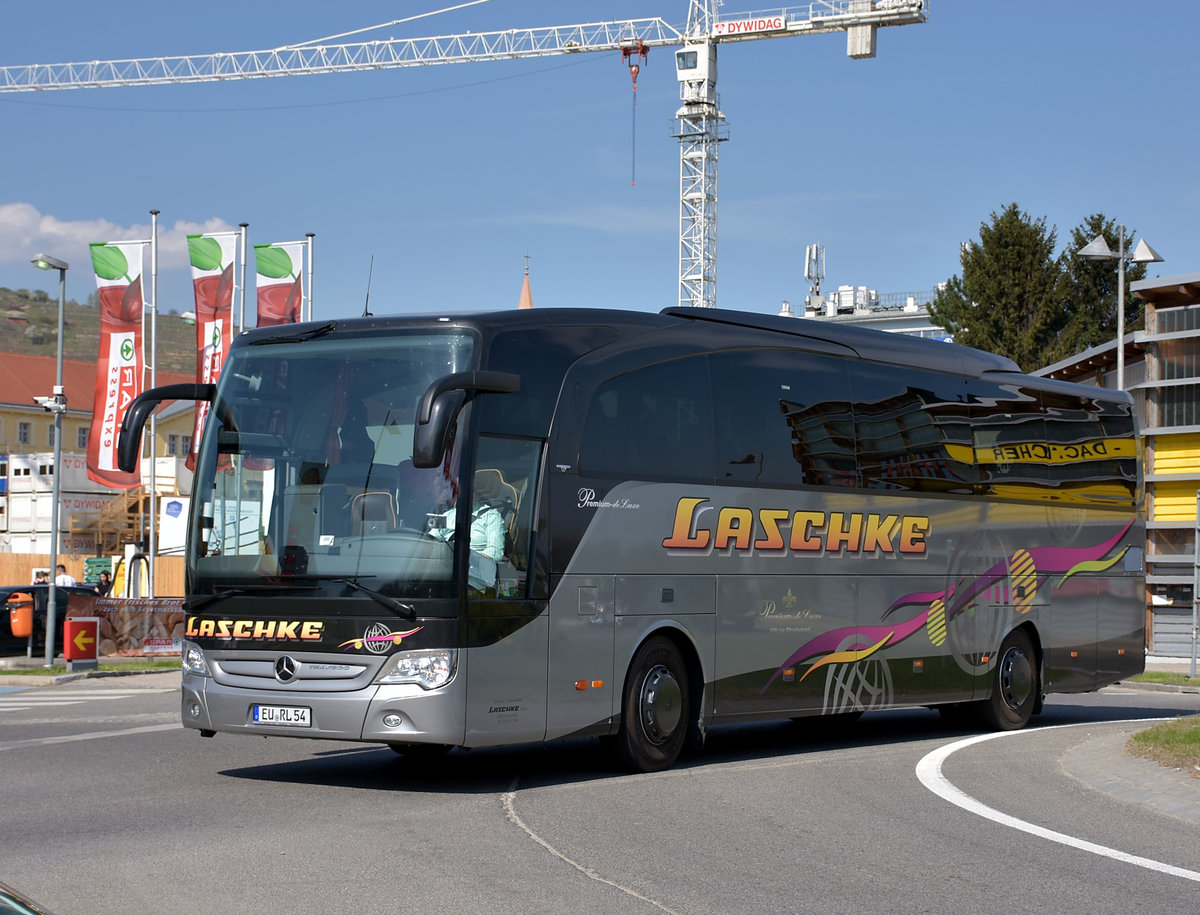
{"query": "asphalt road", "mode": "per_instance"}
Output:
(106, 805)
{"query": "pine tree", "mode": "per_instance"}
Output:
(1089, 290)
(1008, 299)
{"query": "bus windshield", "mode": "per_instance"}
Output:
(305, 475)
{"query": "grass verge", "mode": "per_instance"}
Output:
(1160, 676)
(1175, 744)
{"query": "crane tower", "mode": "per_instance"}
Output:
(700, 122)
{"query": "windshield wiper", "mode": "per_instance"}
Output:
(401, 609)
(203, 600)
(322, 330)
(406, 611)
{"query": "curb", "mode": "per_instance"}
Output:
(1159, 687)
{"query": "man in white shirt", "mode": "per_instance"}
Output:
(62, 579)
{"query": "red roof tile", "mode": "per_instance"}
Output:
(23, 376)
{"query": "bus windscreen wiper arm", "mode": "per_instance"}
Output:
(203, 600)
(400, 608)
(311, 333)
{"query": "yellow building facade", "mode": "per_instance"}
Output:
(1162, 372)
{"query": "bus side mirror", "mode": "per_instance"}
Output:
(129, 446)
(440, 403)
(430, 437)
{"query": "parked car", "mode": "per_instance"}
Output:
(13, 902)
(10, 643)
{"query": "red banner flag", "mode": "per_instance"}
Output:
(212, 258)
(119, 366)
(280, 289)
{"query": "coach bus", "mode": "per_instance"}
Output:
(464, 531)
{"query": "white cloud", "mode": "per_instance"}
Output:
(25, 232)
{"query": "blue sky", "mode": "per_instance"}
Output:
(450, 175)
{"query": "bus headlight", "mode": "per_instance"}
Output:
(429, 668)
(193, 660)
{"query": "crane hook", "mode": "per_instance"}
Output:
(631, 55)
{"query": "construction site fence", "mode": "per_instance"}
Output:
(19, 569)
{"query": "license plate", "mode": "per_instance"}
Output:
(284, 716)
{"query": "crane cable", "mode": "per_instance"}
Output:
(632, 55)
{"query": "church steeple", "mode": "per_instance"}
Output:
(526, 292)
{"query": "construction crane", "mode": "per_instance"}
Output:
(700, 124)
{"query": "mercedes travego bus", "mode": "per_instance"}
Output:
(464, 531)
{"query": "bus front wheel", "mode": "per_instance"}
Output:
(1015, 687)
(656, 707)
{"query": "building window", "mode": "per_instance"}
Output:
(81, 437)
(25, 433)
(50, 436)
(172, 445)
(1178, 406)
(187, 444)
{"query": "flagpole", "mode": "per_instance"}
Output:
(153, 382)
(245, 257)
(310, 236)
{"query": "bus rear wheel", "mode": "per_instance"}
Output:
(656, 707)
(1015, 687)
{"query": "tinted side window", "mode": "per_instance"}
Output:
(1009, 435)
(541, 358)
(1092, 450)
(654, 422)
(783, 418)
(913, 430)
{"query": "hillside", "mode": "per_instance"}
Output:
(29, 324)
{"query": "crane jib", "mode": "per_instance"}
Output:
(701, 125)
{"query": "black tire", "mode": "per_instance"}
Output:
(656, 708)
(1015, 686)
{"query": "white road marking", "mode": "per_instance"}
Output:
(929, 771)
(85, 693)
(509, 801)
(27, 699)
(93, 735)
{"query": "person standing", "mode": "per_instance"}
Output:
(62, 579)
(104, 585)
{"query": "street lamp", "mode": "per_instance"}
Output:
(1098, 249)
(57, 404)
